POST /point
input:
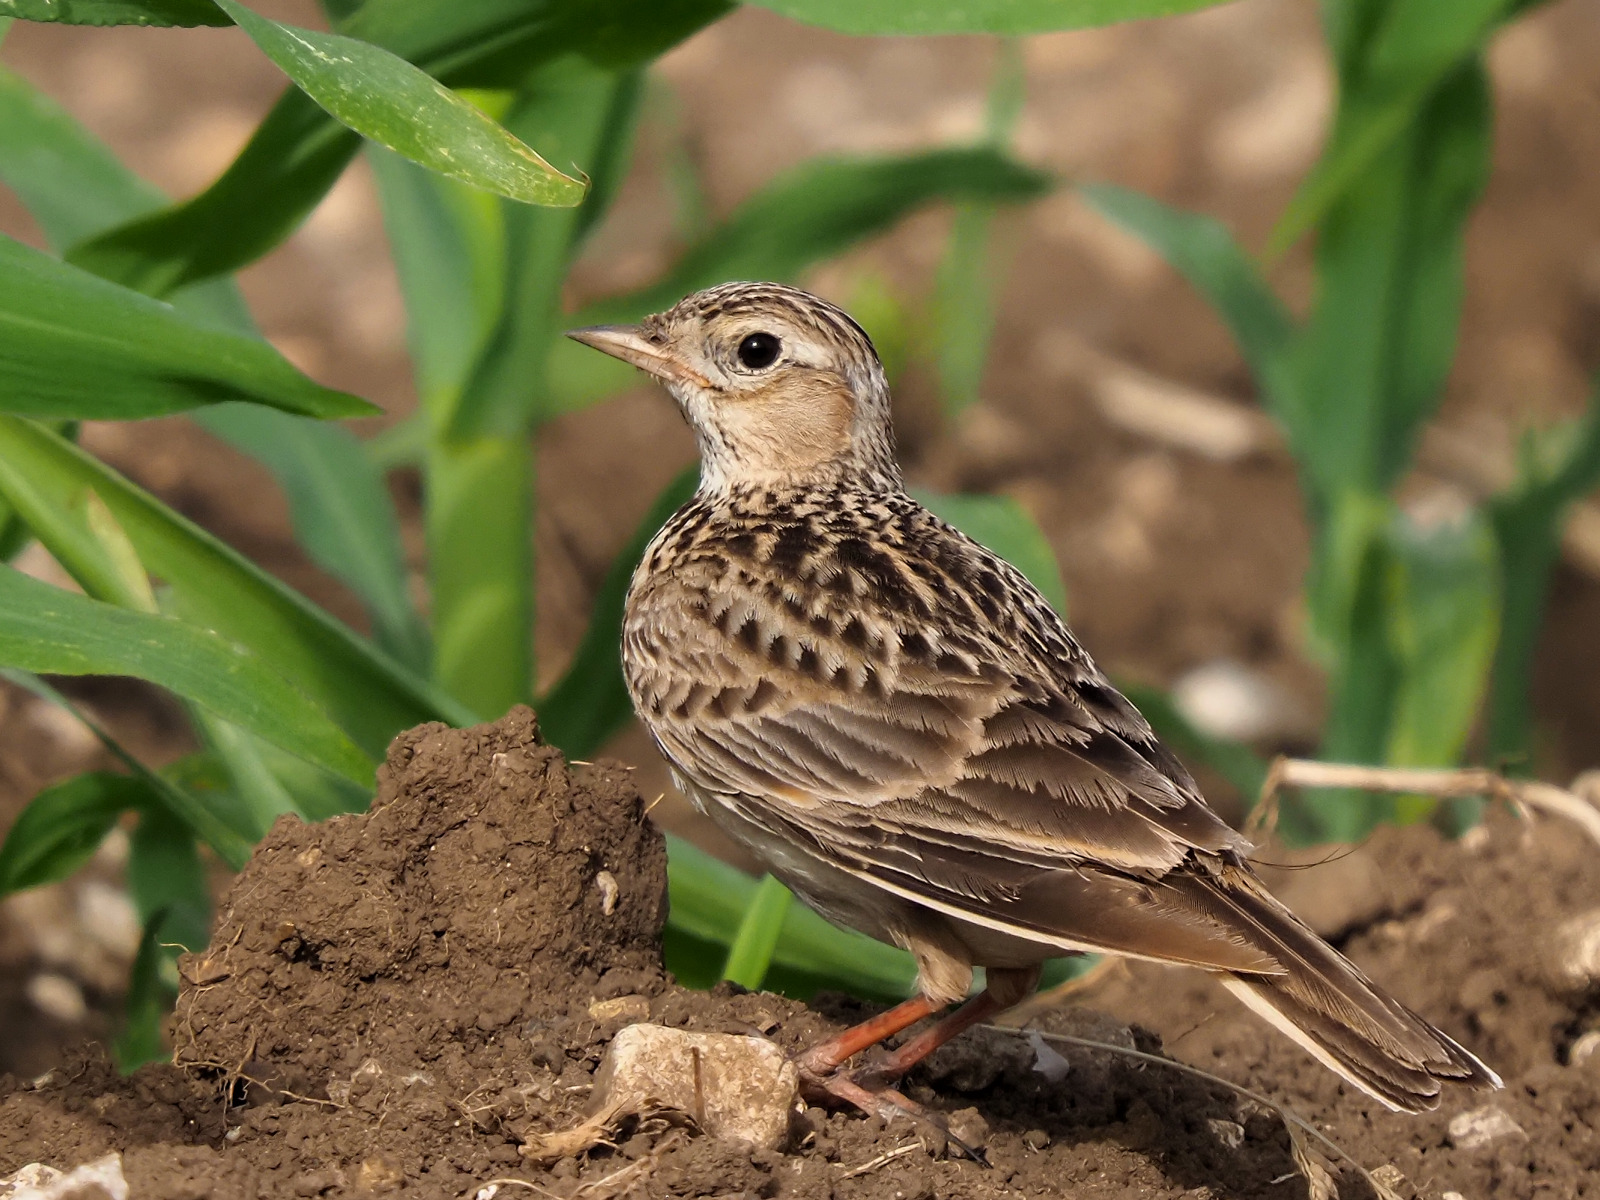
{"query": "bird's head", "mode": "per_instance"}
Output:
(780, 386)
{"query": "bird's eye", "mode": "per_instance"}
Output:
(759, 350)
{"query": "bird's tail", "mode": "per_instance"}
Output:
(1341, 1017)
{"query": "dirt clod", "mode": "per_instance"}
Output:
(395, 1003)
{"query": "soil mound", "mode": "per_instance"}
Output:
(393, 1001)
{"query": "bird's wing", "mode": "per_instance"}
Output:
(999, 778)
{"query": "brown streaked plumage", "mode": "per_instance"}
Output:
(897, 724)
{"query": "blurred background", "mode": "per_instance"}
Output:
(1115, 407)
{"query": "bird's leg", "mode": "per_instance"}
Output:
(897, 1062)
(869, 1088)
(824, 1058)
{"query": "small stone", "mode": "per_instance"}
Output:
(1584, 1048)
(1576, 945)
(378, 1174)
(737, 1089)
(101, 1179)
(1229, 1133)
(57, 997)
(1227, 699)
(625, 1008)
(1036, 1139)
(1481, 1126)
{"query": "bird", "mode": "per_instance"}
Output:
(894, 721)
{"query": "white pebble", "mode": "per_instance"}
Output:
(1584, 1048)
(107, 915)
(1226, 699)
(57, 997)
(1481, 1126)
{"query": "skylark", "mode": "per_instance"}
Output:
(892, 719)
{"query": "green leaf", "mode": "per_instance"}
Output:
(449, 246)
(298, 151)
(1390, 71)
(480, 570)
(1382, 335)
(1444, 618)
(341, 510)
(168, 885)
(585, 116)
(256, 792)
(284, 170)
(590, 701)
(807, 215)
(55, 632)
(710, 898)
(1004, 526)
(68, 181)
(340, 505)
(968, 275)
(1555, 468)
(385, 98)
(74, 346)
(147, 1002)
(210, 585)
(1202, 250)
(973, 16)
(750, 953)
(116, 12)
(223, 826)
(62, 826)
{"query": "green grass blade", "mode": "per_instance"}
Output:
(62, 827)
(751, 951)
(212, 586)
(381, 96)
(1444, 618)
(590, 701)
(185, 13)
(1556, 468)
(967, 278)
(449, 246)
(480, 570)
(585, 116)
(168, 884)
(710, 898)
(1388, 78)
(68, 181)
(259, 797)
(73, 346)
(974, 16)
(284, 170)
(55, 632)
(1202, 250)
(298, 151)
(1004, 526)
(812, 213)
(210, 814)
(342, 514)
(341, 509)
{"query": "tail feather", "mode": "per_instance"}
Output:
(1324, 1003)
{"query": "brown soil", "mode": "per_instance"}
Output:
(393, 1000)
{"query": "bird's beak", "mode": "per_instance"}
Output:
(629, 343)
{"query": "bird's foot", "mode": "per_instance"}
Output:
(869, 1090)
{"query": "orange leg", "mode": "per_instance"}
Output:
(823, 1058)
(895, 1064)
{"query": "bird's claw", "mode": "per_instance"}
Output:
(868, 1090)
